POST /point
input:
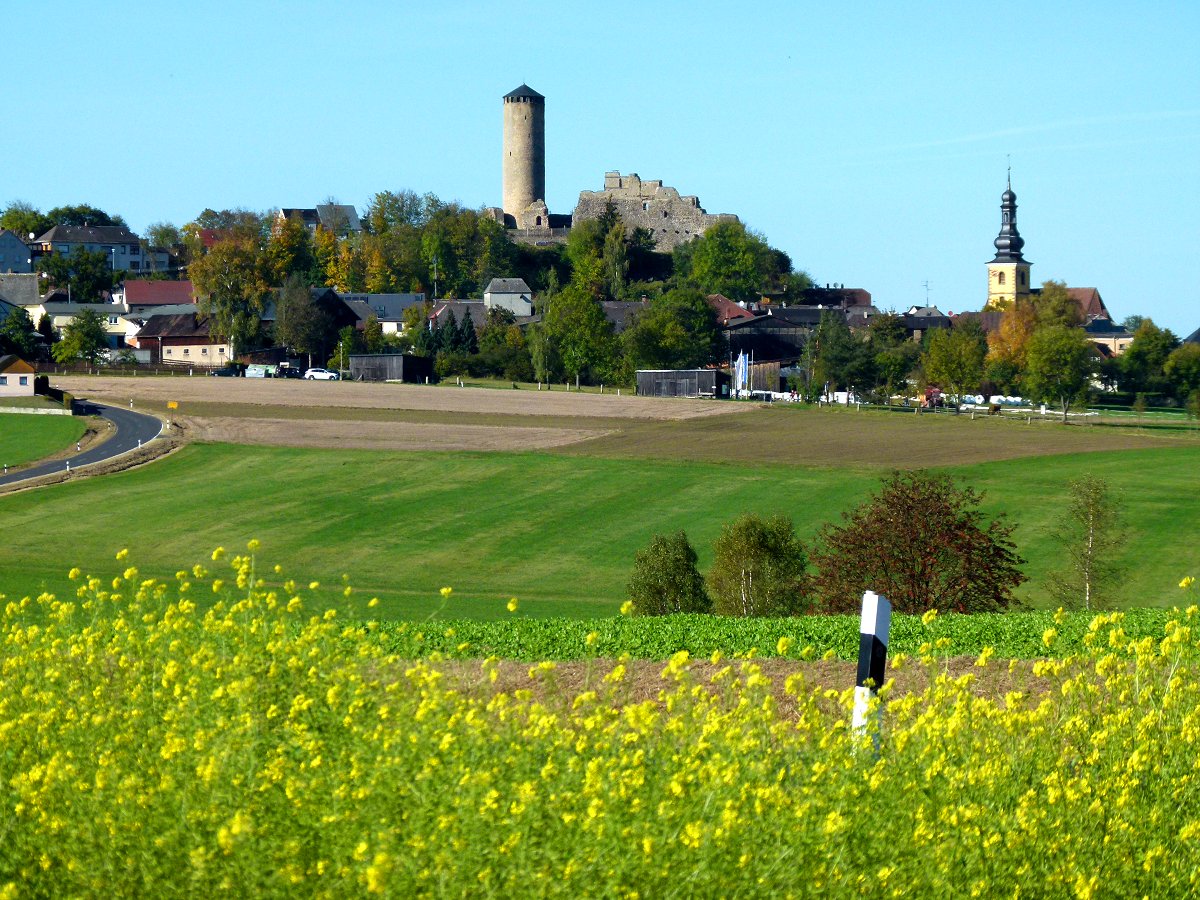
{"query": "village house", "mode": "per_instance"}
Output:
(182, 339)
(15, 255)
(16, 377)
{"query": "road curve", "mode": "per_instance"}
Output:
(133, 429)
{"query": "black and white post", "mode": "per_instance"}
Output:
(872, 655)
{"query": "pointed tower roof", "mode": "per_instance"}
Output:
(523, 92)
(1009, 242)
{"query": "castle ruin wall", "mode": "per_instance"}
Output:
(672, 219)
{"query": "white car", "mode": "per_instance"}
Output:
(321, 375)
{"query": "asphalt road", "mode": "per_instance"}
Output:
(132, 427)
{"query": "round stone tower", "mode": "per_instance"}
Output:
(524, 151)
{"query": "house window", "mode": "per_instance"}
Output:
(23, 380)
(3, 380)
(204, 352)
(186, 351)
(112, 320)
(1000, 278)
(221, 350)
(1021, 276)
(134, 249)
(169, 351)
(645, 206)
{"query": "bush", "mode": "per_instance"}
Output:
(665, 579)
(922, 543)
(758, 568)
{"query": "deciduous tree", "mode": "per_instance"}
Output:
(232, 291)
(83, 338)
(924, 544)
(728, 259)
(300, 323)
(25, 219)
(17, 334)
(954, 358)
(1058, 366)
(677, 330)
(1182, 369)
(758, 568)
(581, 334)
(1089, 534)
(665, 579)
(86, 273)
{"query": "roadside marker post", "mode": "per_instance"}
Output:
(873, 631)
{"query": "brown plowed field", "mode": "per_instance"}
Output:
(412, 417)
(286, 392)
(366, 435)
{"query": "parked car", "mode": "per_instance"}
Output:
(288, 372)
(227, 372)
(321, 375)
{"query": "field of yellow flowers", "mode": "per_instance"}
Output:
(209, 736)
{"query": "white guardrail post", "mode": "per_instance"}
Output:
(873, 631)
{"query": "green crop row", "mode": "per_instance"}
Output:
(1011, 635)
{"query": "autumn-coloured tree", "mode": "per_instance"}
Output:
(923, 543)
(231, 290)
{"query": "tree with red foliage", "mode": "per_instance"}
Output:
(922, 543)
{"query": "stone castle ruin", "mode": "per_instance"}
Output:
(671, 218)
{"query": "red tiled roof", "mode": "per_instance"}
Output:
(726, 309)
(1090, 303)
(141, 292)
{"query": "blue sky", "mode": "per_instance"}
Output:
(869, 141)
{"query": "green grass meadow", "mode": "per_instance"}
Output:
(25, 438)
(558, 532)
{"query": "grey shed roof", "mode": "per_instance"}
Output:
(507, 286)
(337, 215)
(19, 288)
(1193, 338)
(93, 234)
(524, 91)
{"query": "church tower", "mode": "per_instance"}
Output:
(1008, 273)
(525, 157)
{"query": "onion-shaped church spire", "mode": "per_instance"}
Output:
(1008, 242)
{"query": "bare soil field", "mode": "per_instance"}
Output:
(368, 435)
(413, 417)
(644, 679)
(285, 392)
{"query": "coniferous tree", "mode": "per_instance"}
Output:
(468, 340)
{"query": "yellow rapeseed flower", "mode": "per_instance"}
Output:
(929, 616)
(218, 554)
(782, 647)
(252, 545)
(512, 605)
(122, 555)
(373, 602)
(1187, 582)
(627, 608)
(446, 592)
